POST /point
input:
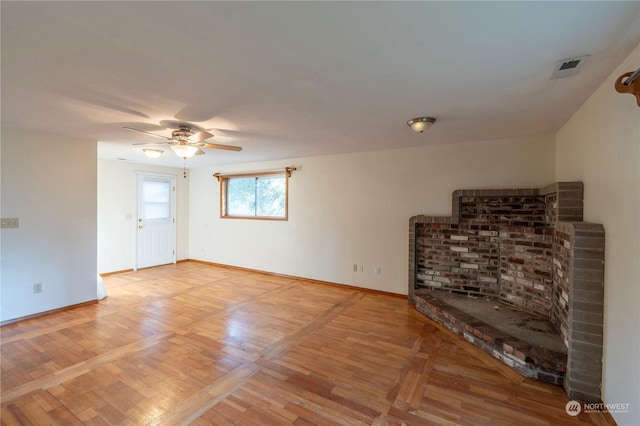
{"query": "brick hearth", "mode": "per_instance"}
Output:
(532, 360)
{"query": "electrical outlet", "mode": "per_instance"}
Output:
(361, 268)
(355, 268)
(10, 222)
(37, 288)
(378, 270)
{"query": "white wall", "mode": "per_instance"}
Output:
(49, 183)
(600, 145)
(355, 208)
(117, 187)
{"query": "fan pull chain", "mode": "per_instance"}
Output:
(184, 167)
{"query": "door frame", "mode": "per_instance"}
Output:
(174, 182)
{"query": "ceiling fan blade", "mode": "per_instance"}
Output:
(200, 136)
(147, 133)
(218, 146)
(199, 152)
(154, 143)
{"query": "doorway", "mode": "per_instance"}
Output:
(156, 220)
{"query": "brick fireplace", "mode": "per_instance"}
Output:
(517, 273)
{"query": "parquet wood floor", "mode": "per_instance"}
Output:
(206, 345)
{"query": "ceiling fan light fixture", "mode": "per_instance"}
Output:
(184, 151)
(153, 153)
(420, 124)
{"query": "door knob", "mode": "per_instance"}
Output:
(140, 220)
(140, 226)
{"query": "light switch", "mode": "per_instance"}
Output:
(10, 222)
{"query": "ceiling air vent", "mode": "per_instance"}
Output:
(568, 67)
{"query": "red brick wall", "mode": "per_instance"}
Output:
(457, 257)
(465, 257)
(526, 268)
(503, 210)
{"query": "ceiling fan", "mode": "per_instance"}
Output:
(186, 142)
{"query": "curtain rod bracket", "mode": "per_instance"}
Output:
(288, 170)
(629, 83)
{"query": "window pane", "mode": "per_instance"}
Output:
(241, 197)
(156, 196)
(156, 212)
(156, 191)
(270, 196)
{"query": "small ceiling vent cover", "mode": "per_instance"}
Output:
(568, 67)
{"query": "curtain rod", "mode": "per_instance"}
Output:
(286, 170)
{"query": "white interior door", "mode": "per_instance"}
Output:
(156, 224)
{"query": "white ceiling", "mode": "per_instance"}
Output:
(293, 79)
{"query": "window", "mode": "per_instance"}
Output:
(254, 196)
(156, 200)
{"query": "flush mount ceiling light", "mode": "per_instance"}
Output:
(185, 151)
(420, 124)
(153, 153)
